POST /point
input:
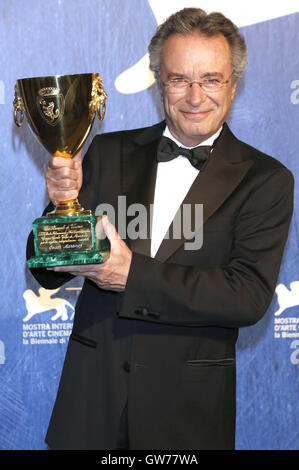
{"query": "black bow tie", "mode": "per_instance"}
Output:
(168, 150)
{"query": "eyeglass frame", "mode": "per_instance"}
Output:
(189, 84)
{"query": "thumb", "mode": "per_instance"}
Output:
(77, 159)
(109, 229)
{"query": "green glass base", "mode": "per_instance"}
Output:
(61, 259)
(67, 240)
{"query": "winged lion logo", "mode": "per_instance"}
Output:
(287, 297)
(44, 301)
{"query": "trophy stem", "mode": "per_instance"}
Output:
(71, 207)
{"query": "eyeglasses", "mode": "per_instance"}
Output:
(208, 85)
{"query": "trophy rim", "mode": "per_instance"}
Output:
(58, 76)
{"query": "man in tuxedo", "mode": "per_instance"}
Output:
(151, 359)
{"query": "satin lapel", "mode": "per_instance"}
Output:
(139, 177)
(211, 187)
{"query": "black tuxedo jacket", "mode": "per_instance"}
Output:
(166, 346)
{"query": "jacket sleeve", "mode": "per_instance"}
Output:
(234, 295)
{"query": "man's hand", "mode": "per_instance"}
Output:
(113, 273)
(64, 178)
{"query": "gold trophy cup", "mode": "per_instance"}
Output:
(60, 111)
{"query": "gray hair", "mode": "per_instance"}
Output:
(187, 21)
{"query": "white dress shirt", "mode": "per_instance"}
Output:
(174, 179)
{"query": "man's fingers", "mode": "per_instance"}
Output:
(109, 229)
(64, 178)
(77, 159)
(86, 269)
(62, 174)
(60, 196)
(58, 162)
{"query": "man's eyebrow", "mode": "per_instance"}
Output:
(179, 75)
(212, 74)
(205, 75)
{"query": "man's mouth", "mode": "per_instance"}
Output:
(196, 114)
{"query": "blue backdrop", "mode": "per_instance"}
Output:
(111, 37)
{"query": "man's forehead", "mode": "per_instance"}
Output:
(197, 39)
(195, 49)
(197, 33)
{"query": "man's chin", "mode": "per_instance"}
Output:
(192, 133)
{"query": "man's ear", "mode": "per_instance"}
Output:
(234, 87)
(161, 89)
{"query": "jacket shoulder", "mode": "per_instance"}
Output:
(145, 133)
(263, 162)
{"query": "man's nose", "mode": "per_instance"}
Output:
(195, 95)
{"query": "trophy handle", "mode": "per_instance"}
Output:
(98, 98)
(18, 108)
